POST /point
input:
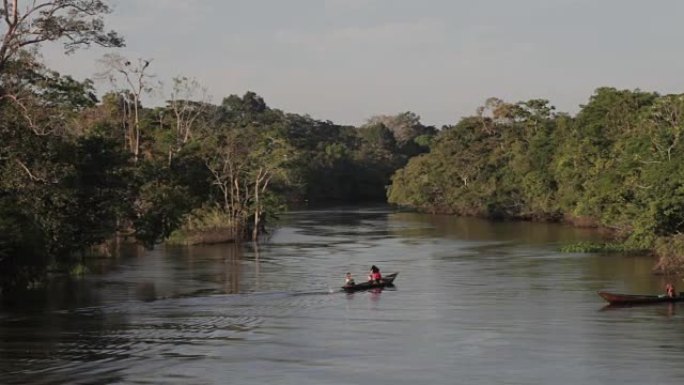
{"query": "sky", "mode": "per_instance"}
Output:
(348, 60)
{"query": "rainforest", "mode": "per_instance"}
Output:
(81, 172)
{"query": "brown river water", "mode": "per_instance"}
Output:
(475, 302)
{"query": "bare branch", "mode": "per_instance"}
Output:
(135, 80)
(185, 110)
(24, 113)
(26, 169)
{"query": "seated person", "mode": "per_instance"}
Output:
(348, 280)
(670, 290)
(375, 275)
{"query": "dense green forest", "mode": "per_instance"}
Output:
(77, 171)
(618, 164)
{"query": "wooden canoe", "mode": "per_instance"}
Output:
(637, 299)
(387, 280)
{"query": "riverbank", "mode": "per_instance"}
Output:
(203, 237)
(667, 251)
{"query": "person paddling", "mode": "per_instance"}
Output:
(670, 290)
(375, 275)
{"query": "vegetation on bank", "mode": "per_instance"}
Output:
(204, 226)
(76, 171)
(618, 164)
(605, 247)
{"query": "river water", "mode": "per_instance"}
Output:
(476, 302)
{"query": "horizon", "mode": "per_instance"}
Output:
(349, 60)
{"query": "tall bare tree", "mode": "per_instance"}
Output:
(132, 81)
(186, 109)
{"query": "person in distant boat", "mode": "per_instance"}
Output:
(349, 280)
(670, 290)
(374, 275)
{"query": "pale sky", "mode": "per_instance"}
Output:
(347, 60)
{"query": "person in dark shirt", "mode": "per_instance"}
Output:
(349, 280)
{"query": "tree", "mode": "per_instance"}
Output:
(379, 140)
(136, 82)
(78, 22)
(244, 162)
(186, 110)
(407, 129)
(60, 190)
(668, 115)
(44, 100)
(492, 112)
(250, 152)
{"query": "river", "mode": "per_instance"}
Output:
(475, 302)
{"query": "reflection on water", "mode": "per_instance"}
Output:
(476, 302)
(665, 309)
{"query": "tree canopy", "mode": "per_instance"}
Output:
(617, 164)
(77, 172)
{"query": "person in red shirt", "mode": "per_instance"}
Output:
(375, 275)
(670, 290)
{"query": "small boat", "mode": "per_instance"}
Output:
(384, 282)
(637, 299)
